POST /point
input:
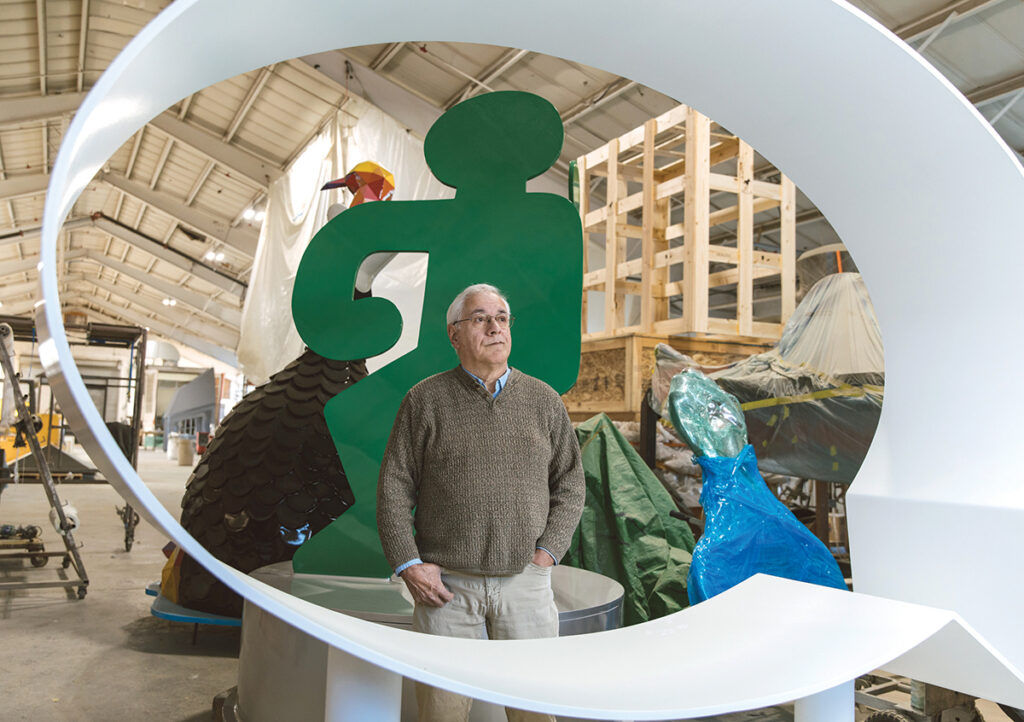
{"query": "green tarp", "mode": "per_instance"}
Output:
(626, 532)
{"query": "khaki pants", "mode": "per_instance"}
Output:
(513, 607)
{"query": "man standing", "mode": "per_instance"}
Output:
(487, 458)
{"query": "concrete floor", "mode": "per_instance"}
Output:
(105, 657)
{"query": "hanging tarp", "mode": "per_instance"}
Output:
(626, 531)
(297, 209)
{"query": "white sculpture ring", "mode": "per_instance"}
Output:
(911, 177)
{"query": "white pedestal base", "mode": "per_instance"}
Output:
(358, 690)
(832, 705)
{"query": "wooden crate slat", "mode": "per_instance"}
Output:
(744, 242)
(695, 220)
(671, 157)
(787, 247)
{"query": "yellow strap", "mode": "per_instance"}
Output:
(814, 395)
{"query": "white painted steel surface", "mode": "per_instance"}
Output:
(832, 705)
(358, 690)
(932, 219)
(281, 668)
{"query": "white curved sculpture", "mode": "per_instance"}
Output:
(917, 185)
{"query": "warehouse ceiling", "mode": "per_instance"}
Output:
(165, 235)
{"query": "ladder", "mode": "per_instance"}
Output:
(25, 423)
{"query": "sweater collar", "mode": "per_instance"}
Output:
(498, 385)
(474, 384)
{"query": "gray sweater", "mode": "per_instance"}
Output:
(483, 481)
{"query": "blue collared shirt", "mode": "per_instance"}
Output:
(498, 385)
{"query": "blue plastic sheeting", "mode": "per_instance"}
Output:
(748, 531)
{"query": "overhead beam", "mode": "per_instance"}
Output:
(169, 255)
(242, 239)
(20, 186)
(245, 164)
(164, 329)
(10, 290)
(19, 308)
(998, 89)
(924, 25)
(41, 34)
(10, 268)
(1006, 106)
(491, 73)
(32, 109)
(25, 265)
(596, 100)
(404, 106)
(439, 62)
(20, 235)
(197, 301)
(179, 317)
(83, 35)
(386, 55)
(247, 102)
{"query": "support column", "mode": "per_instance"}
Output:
(831, 705)
(357, 690)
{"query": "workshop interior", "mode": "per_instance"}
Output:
(222, 275)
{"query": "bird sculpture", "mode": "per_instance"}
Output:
(270, 477)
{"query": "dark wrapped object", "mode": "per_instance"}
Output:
(812, 403)
(269, 479)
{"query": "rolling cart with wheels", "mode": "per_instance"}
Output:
(897, 699)
(34, 550)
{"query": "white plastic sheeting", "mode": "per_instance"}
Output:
(832, 333)
(834, 330)
(812, 402)
(297, 209)
(856, 169)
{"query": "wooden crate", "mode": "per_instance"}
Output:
(678, 158)
(615, 372)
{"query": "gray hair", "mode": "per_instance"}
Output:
(458, 305)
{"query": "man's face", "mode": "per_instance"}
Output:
(485, 344)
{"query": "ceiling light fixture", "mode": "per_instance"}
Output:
(248, 214)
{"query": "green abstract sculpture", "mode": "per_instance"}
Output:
(527, 244)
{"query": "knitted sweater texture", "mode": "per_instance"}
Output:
(481, 481)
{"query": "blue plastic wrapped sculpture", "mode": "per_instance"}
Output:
(746, 529)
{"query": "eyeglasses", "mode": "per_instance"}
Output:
(483, 320)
